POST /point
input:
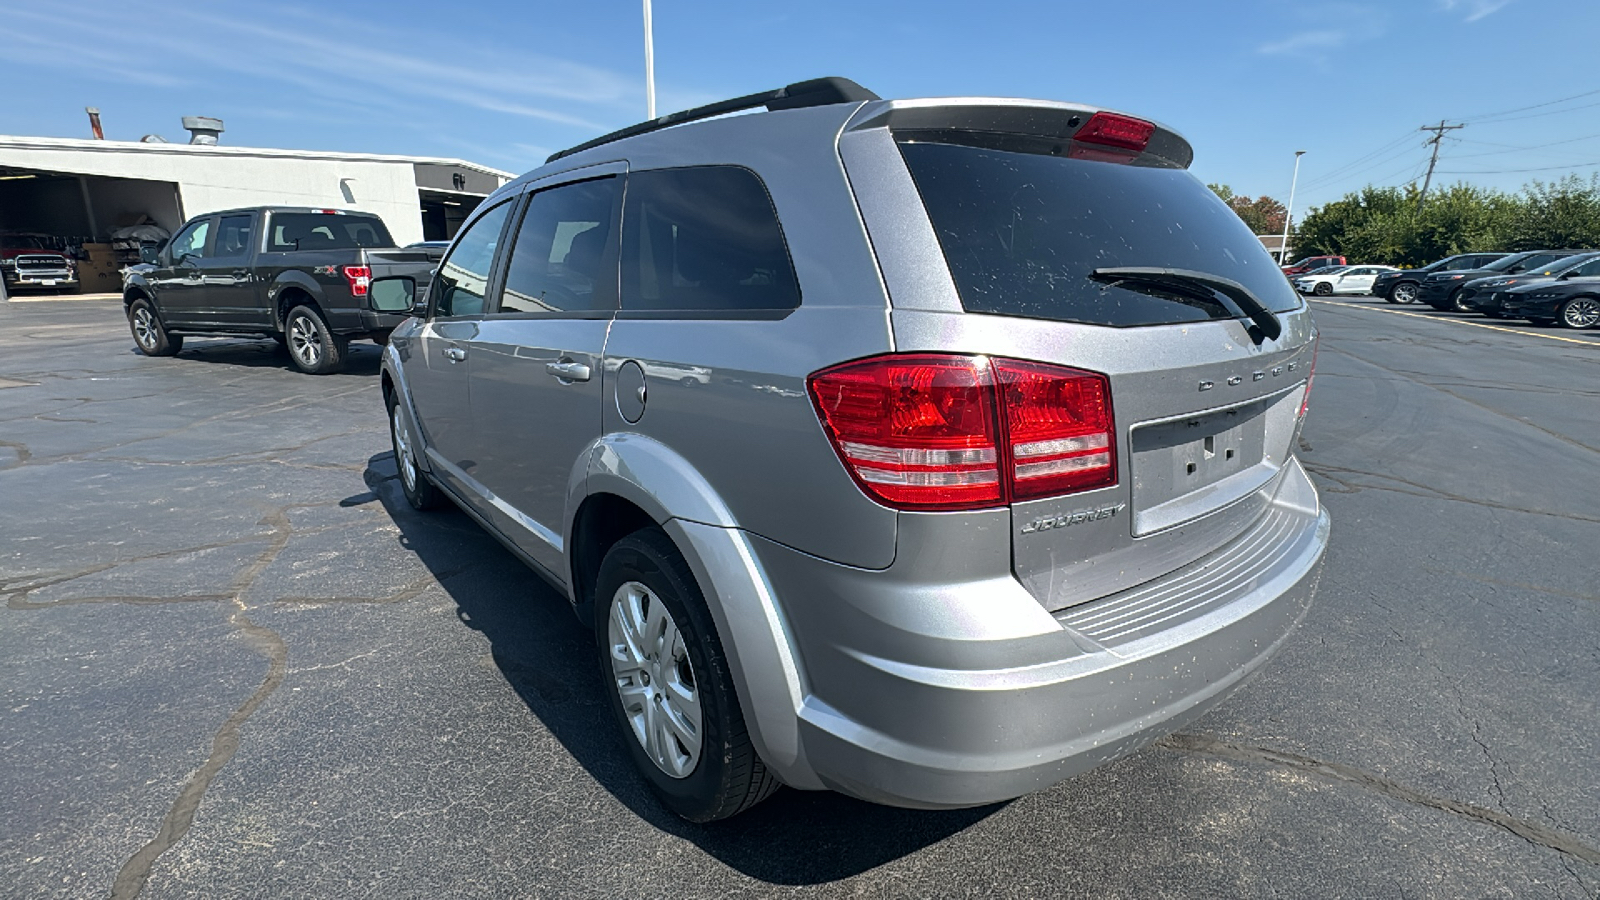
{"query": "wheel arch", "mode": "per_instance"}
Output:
(294, 288)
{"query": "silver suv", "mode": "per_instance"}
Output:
(931, 451)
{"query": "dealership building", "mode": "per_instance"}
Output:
(74, 193)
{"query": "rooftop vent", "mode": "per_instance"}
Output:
(202, 129)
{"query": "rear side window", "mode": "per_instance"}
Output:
(325, 231)
(561, 245)
(1023, 229)
(704, 239)
(233, 236)
(463, 277)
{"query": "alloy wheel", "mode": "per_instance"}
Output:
(1405, 292)
(404, 461)
(1583, 312)
(653, 676)
(305, 341)
(144, 328)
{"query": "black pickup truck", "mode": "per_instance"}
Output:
(300, 276)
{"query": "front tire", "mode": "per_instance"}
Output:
(149, 333)
(1323, 289)
(422, 494)
(313, 348)
(1580, 313)
(1459, 304)
(1404, 292)
(668, 683)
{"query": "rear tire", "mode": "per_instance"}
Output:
(1580, 313)
(149, 333)
(668, 683)
(312, 347)
(1404, 292)
(421, 493)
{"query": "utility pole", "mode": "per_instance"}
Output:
(649, 65)
(1438, 138)
(1288, 211)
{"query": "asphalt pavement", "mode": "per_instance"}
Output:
(234, 662)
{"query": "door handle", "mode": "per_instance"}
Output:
(455, 354)
(243, 274)
(568, 371)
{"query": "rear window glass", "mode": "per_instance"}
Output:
(704, 239)
(322, 231)
(1023, 229)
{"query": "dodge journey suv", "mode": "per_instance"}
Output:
(931, 451)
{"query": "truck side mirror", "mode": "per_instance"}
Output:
(396, 294)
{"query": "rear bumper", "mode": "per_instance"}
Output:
(942, 693)
(363, 321)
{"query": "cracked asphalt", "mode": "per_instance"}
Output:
(234, 663)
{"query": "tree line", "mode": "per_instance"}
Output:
(1385, 224)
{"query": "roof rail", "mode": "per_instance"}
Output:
(816, 92)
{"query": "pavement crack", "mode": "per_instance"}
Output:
(1347, 486)
(1337, 773)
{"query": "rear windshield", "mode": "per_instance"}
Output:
(324, 231)
(1022, 230)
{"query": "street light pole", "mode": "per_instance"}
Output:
(1288, 212)
(649, 66)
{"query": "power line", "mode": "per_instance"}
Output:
(1337, 177)
(1506, 112)
(1508, 171)
(1338, 171)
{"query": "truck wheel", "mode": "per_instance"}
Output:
(314, 349)
(421, 493)
(149, 333)
(668, 684)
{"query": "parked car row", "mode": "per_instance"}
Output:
(1542, 286)
(1046, 511)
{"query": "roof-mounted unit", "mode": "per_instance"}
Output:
(202, 129)
(816, 92)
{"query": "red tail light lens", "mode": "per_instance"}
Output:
(1112, 130)
(916, 431)
(1058, 423)
(360, 278)
(947, 432)
(1305, 404)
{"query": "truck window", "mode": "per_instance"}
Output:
(233, 236)
(326, 231)
(191, 242)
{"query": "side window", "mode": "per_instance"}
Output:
(560, 246)
(1590, 269)
(463, 277)
(702, 239)
(191, 241)
(233, 236)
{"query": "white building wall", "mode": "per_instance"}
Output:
(213, 178)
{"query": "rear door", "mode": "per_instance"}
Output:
(535, 361)
(437, 377)
(1205, 405)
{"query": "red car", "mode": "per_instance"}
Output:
(1314, 262)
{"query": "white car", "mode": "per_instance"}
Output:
(1344, 280)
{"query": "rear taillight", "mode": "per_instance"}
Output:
(1058, 426)
(947, 432)
(1305, 403)
(360, 278)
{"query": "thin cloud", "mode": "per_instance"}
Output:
(1306, 41)
(1474, 9)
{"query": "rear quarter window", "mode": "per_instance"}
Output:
(1023, 229)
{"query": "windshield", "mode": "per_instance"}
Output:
(1505, 263)
(20, 242)
(1022, 230)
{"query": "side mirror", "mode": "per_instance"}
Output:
(394, 295)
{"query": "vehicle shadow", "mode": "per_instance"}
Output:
(549, 658)
(365, 358)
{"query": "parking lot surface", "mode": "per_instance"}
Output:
(234, 662)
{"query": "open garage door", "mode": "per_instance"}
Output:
(45, 216)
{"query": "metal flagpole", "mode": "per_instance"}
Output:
(649, 66)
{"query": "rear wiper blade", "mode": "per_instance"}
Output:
(1233, 290)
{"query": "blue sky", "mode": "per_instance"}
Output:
(504, 83)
